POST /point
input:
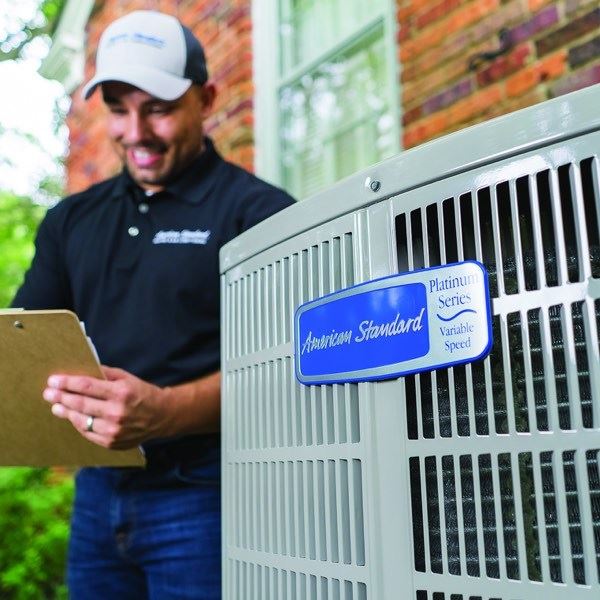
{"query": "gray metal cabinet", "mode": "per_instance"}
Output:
(478, 481)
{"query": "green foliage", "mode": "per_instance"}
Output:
(42, 23)
(19, 218)
(35, 506)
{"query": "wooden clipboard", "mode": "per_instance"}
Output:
(33, 345)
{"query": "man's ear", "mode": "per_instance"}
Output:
(207, 94)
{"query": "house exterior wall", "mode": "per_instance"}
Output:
(555, 49)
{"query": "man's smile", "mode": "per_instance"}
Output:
(144, 158)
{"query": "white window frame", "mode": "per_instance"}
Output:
(66, 60)
(268, 82)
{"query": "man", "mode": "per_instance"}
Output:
(136, 257)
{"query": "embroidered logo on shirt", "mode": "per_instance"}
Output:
(181, 237)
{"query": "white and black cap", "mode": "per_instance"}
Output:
(151, 51)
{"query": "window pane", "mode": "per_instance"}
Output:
(336, 119)
(310, 27)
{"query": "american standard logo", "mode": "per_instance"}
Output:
(407, 323)
(182, 237)
(367, 330)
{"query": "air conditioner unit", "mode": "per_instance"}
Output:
(478, 481)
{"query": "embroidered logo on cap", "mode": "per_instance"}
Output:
(181, 237)
(139, 38)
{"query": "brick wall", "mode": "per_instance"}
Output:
(224, 27)
(554, 48)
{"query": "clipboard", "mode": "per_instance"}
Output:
(33, 345)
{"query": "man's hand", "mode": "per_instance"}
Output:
(127, 410)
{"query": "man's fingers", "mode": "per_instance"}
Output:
(112, 373)
(81, 404)
(81, 384)
(80, 422)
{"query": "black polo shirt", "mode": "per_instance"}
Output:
(142, 271)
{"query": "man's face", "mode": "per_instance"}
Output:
(156, 139)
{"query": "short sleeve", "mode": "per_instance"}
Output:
(265, 204)
(46, 285)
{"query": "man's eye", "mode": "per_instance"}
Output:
(116, 110)
(159, 110)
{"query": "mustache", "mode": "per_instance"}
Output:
(147, 147)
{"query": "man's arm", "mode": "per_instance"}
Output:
(128, 411)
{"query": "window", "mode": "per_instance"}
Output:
(327, 93)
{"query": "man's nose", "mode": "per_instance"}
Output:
(136, 129)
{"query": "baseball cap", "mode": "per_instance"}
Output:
(151, 51)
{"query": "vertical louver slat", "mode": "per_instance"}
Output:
(521, 550)
(563, 537)
(584, 498)
(593, 359)
(478, 518)
(442, 515)
(451, 510)
(544, 554)
(499, 524)
(528, 374)
(468, 494)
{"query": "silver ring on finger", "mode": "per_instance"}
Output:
(89, 423)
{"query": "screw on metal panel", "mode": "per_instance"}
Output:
(18, 325)
(375, 185)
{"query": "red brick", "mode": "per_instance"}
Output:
(575, 29)
(550, 68)
(435, 82)
(412, 115)
(474, 104)
(504, 65)
(553, 66)
(578, 55)
(425, 129)
(523, 81)
(470, 14)
(482, 33)
(535, 5)
(405, 12)
(440, 10)
(412, 137)
(404, 33)
(576, 81)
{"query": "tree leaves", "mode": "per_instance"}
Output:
(35, 506)
(43, 22)
(19, 218)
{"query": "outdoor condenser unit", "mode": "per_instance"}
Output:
(479, 481)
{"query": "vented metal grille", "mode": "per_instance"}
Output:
(262, 302)
(257, 582)
(503, 454)
(305, 509)
(294, 459)
(478, 482)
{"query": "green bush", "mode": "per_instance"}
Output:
(35, 504)
(35, 508)
(19, 218)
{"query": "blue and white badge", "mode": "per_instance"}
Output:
(418, 321)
